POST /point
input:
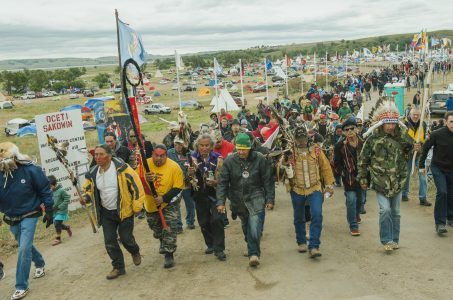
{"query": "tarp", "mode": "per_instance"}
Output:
(17, 121)
(27, 130)
(224, 101)
(189, 103)
(204, 92)
(71, 107)
(90, 102)
(156, 94)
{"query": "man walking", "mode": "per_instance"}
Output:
(167, 178)
(23, 189)
(311, 172)
(206, 169)
(345, 160)
(246, 180)
(383, 158)
(441, 140)
(116, 193)
(415, 129)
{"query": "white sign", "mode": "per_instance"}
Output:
(64, 126)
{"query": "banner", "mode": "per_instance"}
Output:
(131, 45)
(64, 126)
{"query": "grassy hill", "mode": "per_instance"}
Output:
(232, 56)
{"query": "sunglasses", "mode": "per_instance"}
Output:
(349, 129)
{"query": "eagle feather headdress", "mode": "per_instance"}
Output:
(385, 111)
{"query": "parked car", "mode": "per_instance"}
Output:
(73, 96)
(88, 93)
(438, 101)
(293, 75)
(259, 88)
(174, 87)
(156, 108)
(6, 105)
(31, 95)
(277, 78)
(189, 88)
(12, 126)
(117, 89)
(278, 84)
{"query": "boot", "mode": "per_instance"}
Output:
(161, 248)
(169, 261)
(115, 273)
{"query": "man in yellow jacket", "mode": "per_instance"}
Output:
(116, 193)
(168, 180)
(309, 174)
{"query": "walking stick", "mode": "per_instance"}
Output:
(131, 73)
(422, 117)
(61, 150)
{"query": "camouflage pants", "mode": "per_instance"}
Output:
(168, 239)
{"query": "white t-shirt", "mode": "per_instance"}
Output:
(107, 184)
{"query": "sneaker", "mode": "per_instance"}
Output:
(220, 255)
(115, 273)
(209, 250)
(19, 294)
(355, 232)
(56, 242)
(395, 245)
(169, 261)
(388, 248)
(254, 261)
(425, 203)
(314, 252)
(404, 198)
(302, 248)
(39, 272)
(69, 231)
(440, 228)
(137, 258)
(191, 226)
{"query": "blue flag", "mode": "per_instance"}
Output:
(217, 68)
(268, 64)
(131, 45)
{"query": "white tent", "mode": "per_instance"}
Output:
(225, 101)
(158, 74)
(279, 72)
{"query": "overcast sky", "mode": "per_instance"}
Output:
(86, 28)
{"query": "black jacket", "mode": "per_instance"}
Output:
(247, 195)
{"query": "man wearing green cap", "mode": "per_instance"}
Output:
(246, 179)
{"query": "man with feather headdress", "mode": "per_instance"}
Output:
(382, 165)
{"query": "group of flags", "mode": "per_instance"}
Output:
(420, 41)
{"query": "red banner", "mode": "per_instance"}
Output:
(135, 115)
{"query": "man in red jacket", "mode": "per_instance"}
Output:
(221, 145)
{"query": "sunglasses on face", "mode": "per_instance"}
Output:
(349, 129)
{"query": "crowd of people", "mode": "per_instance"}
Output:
(321, 141)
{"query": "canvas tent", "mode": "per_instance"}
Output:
(224, 101)
(158, 74)
(204, 92)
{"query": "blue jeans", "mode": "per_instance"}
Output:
(364, 196)
(353, 204)
(190, 209)
(389, 218)
(423, 182)
(251, 227)
(24, 233)
(262, 216)
(315, 200)
(443, 209)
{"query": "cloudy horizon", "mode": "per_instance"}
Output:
(52, 29)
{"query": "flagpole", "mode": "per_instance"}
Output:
(286, 81)
(346, 68)
(216, 86)
(326, 71)
(267, 89)
(177, 63)
(242, 83)
(314, 62)
(118, 41)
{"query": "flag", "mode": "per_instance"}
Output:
(434, 42)
(268, 64)
(446, 42)
(415, 40)
(424, 43)
(131, 45)
(217, 68)
(242, 69)
(178, 61)
(374, 49)
(366, 52)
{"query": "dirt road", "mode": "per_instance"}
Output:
(351, 267)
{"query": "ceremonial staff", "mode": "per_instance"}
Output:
(131, 74)
(61, 150)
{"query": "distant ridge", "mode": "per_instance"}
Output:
(53, 63)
